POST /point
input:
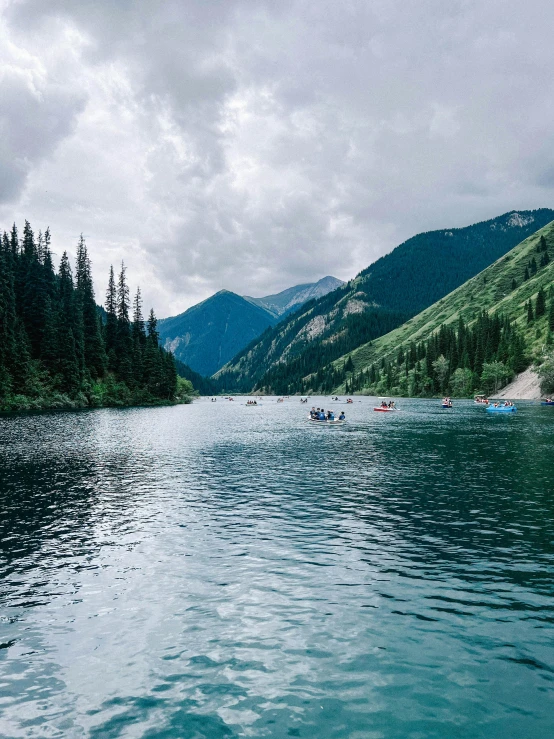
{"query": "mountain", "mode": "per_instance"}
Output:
(393, 289)
(503, 316)
(209, 334)
(291, 299)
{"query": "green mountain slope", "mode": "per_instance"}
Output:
(396, 287)
(505, 289)
(209, 334)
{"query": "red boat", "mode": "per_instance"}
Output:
(385, 407)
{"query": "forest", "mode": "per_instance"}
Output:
(58, 349)
(456, 360)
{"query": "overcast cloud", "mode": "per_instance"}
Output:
(255, 145)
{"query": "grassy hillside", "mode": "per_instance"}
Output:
(500, 289)
(382, 297)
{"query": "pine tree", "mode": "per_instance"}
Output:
(68, 364)
(124, 347)
(526, 274)
(7, 315)
(530, 315)
(138, 334)
(93, 346)
(540, 304)
(110, 331)
(551, 315)
(51, 338)
(514, 284)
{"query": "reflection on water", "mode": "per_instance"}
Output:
(219, 570)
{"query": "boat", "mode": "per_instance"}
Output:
(481, 400)
(547, 401)
(385, 407)
(323, 422)
(349, 400)
(501, 409)
(447, 405)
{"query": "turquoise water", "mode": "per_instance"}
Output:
(217, 570)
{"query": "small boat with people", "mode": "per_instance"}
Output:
(547, 401)
(385, 407)
(506, 407)
(349, 400)
(321, 416)
(446, 403)
(481, 400)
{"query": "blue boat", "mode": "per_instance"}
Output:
(501, 409)
(547, 402)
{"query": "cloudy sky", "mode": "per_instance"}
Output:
(253, 145)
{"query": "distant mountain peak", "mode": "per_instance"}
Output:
(292, 298)
(209, 334)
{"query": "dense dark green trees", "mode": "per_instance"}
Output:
(456, 359)
(54, 351)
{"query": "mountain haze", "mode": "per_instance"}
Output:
(292, 298)
(399, 285)
(211, 333)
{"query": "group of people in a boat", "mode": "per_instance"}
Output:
(319, 414)
(251, 402)
(505, 404)
(390, 404)
(447, 402)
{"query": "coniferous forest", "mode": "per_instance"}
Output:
(456, 360)
(56, 349)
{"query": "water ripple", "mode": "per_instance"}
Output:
(220, 571)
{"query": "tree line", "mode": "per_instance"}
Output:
(55, 349)
(455, 360)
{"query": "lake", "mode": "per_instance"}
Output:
(218, 570)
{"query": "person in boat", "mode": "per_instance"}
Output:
(322, 414)
(330, 416)
(384, 404)
(342, 417)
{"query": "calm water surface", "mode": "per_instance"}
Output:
(217, 570)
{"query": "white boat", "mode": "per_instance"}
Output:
(335, 422)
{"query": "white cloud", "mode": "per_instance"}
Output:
(251, 146)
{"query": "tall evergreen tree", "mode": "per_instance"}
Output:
(110, 331)
(68, 364)
(138, 334)
(540, 304)
(124, 346)
(93, 346)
